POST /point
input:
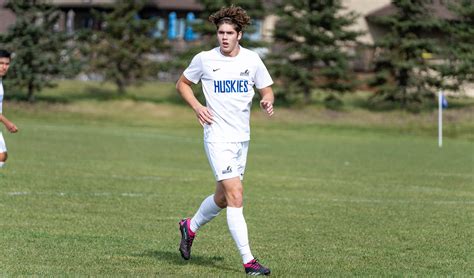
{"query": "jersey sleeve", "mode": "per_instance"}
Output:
(194, 71)
(262, 76)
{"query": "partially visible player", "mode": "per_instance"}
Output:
(11, 127)
(228, 74)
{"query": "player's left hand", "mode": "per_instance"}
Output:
(267, 106)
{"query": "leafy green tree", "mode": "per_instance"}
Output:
(310, 38)
(121, 51)
(460, 48)
(41, 52)
(404, 77)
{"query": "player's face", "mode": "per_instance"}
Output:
(228, 39)
(4, 65)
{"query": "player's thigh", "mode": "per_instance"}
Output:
(232, 184)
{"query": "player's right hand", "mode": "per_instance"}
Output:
(11, 127)
(204, 115)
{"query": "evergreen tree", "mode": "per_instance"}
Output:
(121, 50)
(404, 77)
(460, 50)
(41, 52)
(310, 38)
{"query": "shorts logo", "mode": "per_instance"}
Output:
(245, 73)
(227, 171)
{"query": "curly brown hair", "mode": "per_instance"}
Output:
(233, 15)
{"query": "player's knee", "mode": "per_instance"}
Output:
(236, 192)
(3, 157)
(236, 195)
(234, 198)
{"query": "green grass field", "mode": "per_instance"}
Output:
(96, 188)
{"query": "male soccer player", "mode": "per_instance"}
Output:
(228, 74)
(4, 65)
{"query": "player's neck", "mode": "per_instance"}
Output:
(232, 53)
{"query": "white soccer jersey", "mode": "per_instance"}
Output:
(1, 95)
(227, 83)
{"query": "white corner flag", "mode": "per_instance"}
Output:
(442, 103)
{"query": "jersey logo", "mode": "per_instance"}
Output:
(245, 73)
(231, 86)
(214, 70)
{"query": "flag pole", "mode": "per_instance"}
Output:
(440, 119)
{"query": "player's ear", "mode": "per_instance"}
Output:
(239, 36)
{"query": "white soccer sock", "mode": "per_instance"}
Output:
(1, 164)
(206, 212)
(238, 230)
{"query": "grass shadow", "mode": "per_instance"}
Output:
(172, 99)
(88, 93)
(98, 93)
(175, 258)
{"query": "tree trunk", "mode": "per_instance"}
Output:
(120, 86)
(403, 86)
(307, 96)
(30, 96)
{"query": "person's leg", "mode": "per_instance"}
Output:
(233, 191)
(3, 151)
(3, 158)
(220, 157)
(209, 209)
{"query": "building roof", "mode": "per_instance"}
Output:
(7, 17)
(177, 5)
(160, 4)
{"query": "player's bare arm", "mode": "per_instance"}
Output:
(185, 90)
(267, 100)
(8, 124)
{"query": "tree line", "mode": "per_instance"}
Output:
(309, 50)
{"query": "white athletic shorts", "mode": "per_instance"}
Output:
(3, 147)
(227, 160)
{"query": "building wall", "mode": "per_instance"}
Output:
(268, 26)
(363, 8)
(7, 18)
